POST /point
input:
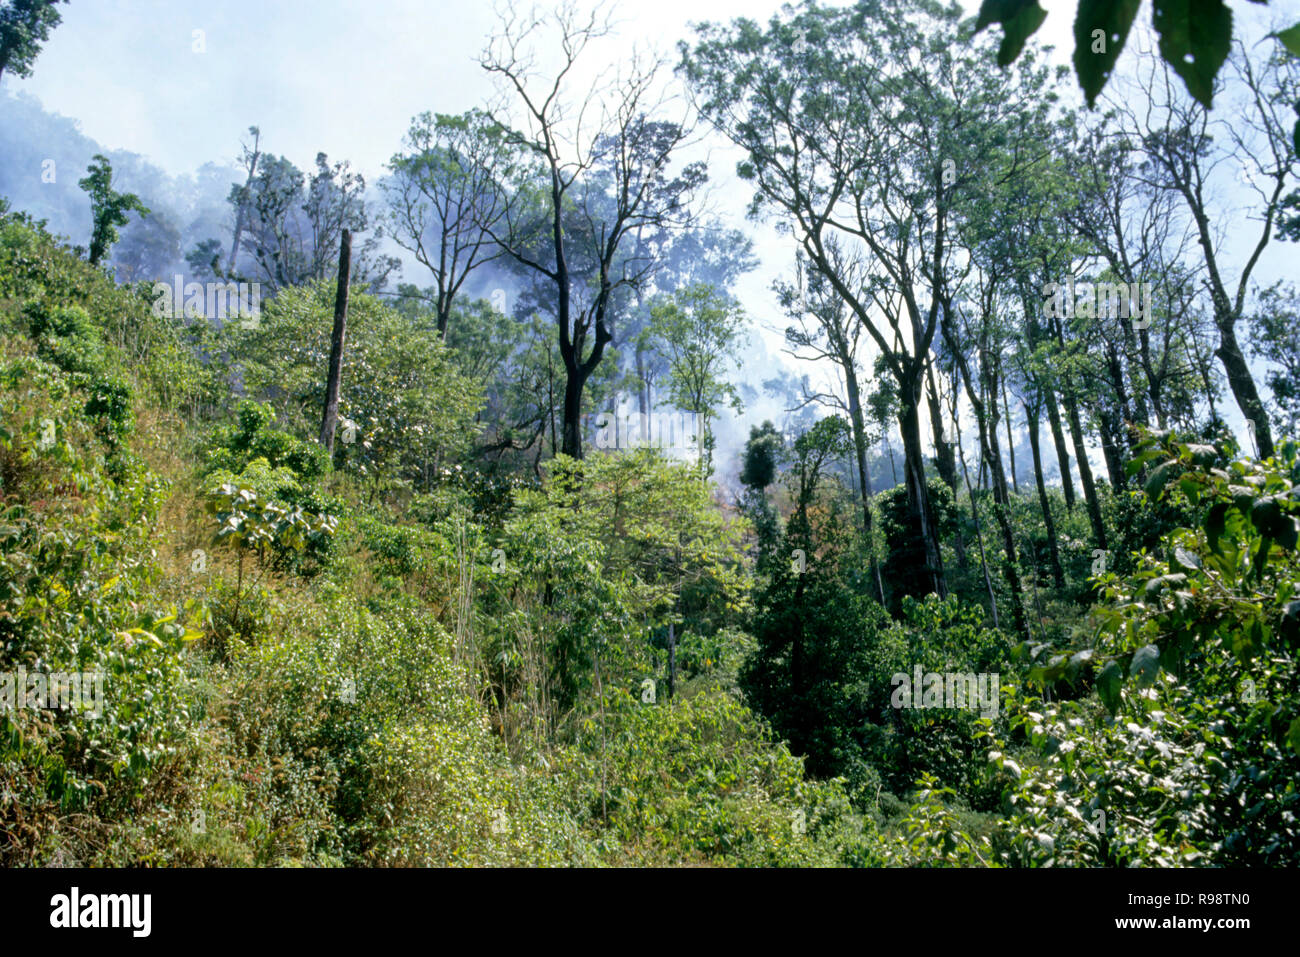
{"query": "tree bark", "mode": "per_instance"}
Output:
(1243, 386)
(243, 196)
(330, 419)
(1085, 470)
(1011, 442)
(1062, 452)
(1049, 523)
(864, 476)
(943, 454)
(918, 494)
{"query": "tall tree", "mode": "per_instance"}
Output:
(600, 173)
(1183, 142)
(839, 133)
(241, 202)
(108, 208)
(698, 330)
(292, 223)
(445, 195)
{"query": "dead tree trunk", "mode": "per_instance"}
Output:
(331, 417)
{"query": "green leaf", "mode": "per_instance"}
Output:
(1146, 665)
(1157, 480)
(1134, 465)
(1293, 735)
(1019, 19)
(1215, 523)
(1195, 36)
(1108, 686)
(1266, 515)
(1261, 557)
(1113, 18)
(1290, 38)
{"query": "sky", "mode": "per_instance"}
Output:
(181, 81)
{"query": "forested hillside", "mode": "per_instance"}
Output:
(403, 528)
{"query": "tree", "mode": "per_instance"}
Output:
(292, 224)
(697, 329)
(148, 249)
(861, 146)
(835, 333)
(706, 252)
(1182, 145)
(24, 26)
(762, 453)
(250, 159)
(585, 192)
(446, 194)
(413, 410)
(108, 208)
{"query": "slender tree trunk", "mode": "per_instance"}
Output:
(1112, 445)
(1155, 384)
(979, 532)
(1240, 381)
(1122, 431)
(239, 211)
(1243, 387)
(1085, 470)
(1062, 453)
(1049, 523)
(1011, 442)
(672, 660)
(864, 476)
(643, 387)
(1001, 502)
(986, 420)
(943, 455)
(330, 419)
